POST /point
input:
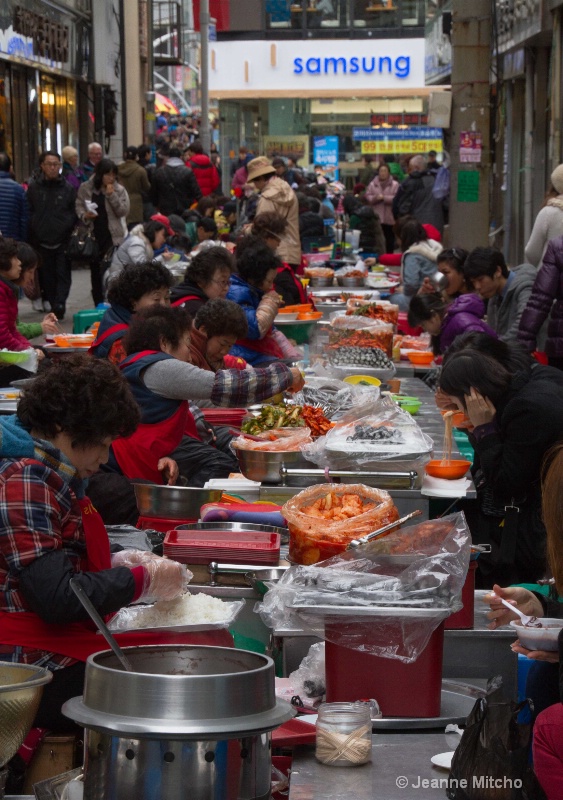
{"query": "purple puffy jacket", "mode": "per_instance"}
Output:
(465, 314)
(547, 287)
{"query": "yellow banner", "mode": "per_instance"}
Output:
(402, 146)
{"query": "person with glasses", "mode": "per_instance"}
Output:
(135, 288)
(51, 201)
(207, 278)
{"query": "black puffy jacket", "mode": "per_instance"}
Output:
(52, 214)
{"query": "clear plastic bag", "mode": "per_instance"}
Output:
(308, 680)
(360, 332)
(282, 439)
(385, 604)
(338, 400)
(386, 438)
(314, 538)
(381, 310)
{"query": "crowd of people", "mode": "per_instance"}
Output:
(133, 408)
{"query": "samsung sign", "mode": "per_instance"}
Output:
(270, 69)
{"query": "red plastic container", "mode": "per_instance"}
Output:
(402, 690)
(161, 523)
(233, 547)
(225, 416)
(463, 619)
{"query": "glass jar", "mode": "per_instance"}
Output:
(344, 734)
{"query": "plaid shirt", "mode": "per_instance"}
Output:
(39, 513)
(237, 388)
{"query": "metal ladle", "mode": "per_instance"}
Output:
(100, 624)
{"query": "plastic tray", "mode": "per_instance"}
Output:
(121, 623)
(197, 547)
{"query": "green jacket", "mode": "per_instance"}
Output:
(29, 329)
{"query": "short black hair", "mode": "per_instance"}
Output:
(423, 306)
(204, 264)
(28, 256)
(150, 326)
(151, 228)
(222, 317)
(467, 369)
(131, 153)
(255, 261)
(278, 162)
(204, 204)
(177, 224)
(134, 281)
(46, 153)
(5, 162)
(104, 167)
(143, 150)
(209, 225)
(174, 152)
(195, 147)
(230, 207)
(512, 356)
(85, 397)
(484, 261)
(412, 232)
(455, 257)
(8, 251)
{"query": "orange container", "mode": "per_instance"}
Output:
(452, 471)
(300, 309)
(310, 315)
(421, 359)
(458, 418)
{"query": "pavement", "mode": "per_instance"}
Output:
(80, 297)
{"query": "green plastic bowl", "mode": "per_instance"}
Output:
(299, 333)
(410, 404)
(13, 357)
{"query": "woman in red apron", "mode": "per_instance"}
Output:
(207, 278)
(134, 288)
(50, 531)
(216, 327)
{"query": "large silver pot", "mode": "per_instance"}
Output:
(264, 466)
(173, 502)
(189, 722)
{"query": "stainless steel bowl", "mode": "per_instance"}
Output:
(320, 282)
(173, 502)
(259, 577)
(21, 687)
(265, 466)
(353, 283)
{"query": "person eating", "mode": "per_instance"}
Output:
(135, 288)
(216, 327)
(50, 532)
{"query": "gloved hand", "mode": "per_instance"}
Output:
(163, 579)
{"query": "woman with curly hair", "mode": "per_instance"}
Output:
(216, 327)
(51, 533)
(253, 290)
(207, 278)
(134, 288)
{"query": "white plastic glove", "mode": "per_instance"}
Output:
(164, 579)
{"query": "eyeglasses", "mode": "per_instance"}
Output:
(222, 284)
(52, 163)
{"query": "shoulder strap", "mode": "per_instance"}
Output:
(185, 300)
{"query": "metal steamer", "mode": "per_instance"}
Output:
(189, 722)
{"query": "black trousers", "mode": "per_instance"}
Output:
(556, 362)
(389, 238)
(55, 276)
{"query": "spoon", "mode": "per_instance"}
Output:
(100, 624)
(528, 622)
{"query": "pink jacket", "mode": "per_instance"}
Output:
(240, 178)
(10, 337)
(383, 208)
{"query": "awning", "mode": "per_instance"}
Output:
(163, 104)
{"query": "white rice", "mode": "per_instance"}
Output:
(189, 609)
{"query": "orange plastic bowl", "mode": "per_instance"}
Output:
(301, 309)
(421, 359)
(458, 418)
(451, 472)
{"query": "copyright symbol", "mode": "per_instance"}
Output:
(402, 782)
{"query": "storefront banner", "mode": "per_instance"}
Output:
(396, 140)
(287, 146)
(325, 153)
(239, 68)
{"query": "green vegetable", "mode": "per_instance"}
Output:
(274, 417)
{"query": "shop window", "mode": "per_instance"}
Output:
(327, 14)
(376, 13)
(278, 13)
(167, 32)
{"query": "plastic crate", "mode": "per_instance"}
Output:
(83, 320)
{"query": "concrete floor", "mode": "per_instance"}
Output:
(80, 297)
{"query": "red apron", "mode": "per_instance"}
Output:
(77, 639)
(105, 334)
(267, 346)
(185, 299)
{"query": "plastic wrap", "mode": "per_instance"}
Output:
(153, 617)
(381, 310)
(282, 439)
(360, 332)
(318, 272)
(375, 601)
(314, 538)
(308, 680)
(387, 437)
(357, 270)
(338, 400)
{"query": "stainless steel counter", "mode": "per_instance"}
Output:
(399, 768)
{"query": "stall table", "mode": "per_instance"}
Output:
(400, 765)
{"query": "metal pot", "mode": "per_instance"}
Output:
(352, 283)
(264, 466)
(196, 719)
(173, 502)
(320, 282)
(21, 687)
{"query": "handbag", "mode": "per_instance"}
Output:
(82, 245)
(491, 761)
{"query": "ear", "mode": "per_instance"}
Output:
(165, 346)
(201, 329)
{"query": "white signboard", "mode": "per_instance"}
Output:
(316, 66)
